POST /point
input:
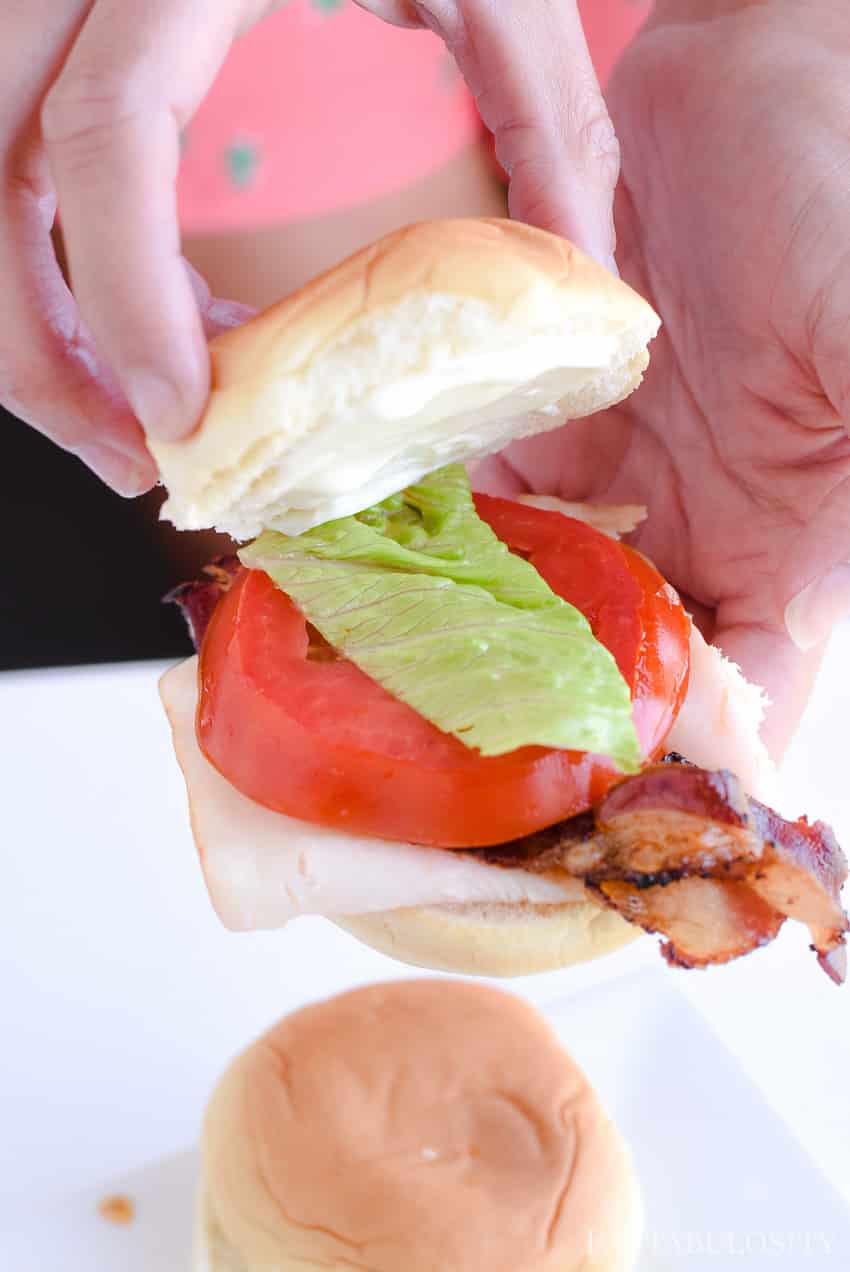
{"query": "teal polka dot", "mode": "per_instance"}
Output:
(242, 159)
(328, 6)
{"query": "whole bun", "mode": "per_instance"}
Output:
(494, 940)
(440, 343)
(411, 1127)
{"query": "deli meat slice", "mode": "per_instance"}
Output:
(262, 868)
(683, 852)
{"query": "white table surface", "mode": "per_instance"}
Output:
(113, 963)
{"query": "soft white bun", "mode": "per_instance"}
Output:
(411, 1127)
(494, 940)
(440, 343)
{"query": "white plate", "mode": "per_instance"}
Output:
(724, 1183)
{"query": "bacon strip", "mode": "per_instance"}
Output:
(801, 876)
(681, 851)
(198, 599)
(705, 921)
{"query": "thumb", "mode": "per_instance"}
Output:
(529, 68)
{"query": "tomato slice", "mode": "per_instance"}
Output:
(660, 678)
(308, 734)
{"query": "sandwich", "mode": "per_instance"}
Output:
(481, 734)
(408, 1127)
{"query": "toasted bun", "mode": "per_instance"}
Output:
(494, 940)
(411, 1127)
(440, 343)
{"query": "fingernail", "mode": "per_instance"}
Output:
(221, 315)
(813, 613)
(127, 477)
(158, 406)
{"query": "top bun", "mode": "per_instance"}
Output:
(410, 1127)
(440, 343)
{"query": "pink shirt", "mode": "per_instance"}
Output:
(322, 106)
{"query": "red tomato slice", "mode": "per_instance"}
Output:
(314, 737)
(660, 678)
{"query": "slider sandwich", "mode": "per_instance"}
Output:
(481, 734)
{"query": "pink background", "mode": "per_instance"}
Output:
(321, 107)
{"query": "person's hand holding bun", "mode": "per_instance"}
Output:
(411, 1127)
(95, 94)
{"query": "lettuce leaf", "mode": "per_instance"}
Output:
(420, 593)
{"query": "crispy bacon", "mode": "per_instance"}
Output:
(197, 600)
(705, 920)
(681, 851)
(801, 876)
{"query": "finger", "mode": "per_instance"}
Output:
(50, 373)
(111, 129)
(530, 70)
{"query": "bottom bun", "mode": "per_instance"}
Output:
(493, 940)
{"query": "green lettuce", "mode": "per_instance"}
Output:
(420, 593)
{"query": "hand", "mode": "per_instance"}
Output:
(94, 95)
(732, 220)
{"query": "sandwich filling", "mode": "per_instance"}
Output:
(471, 674)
